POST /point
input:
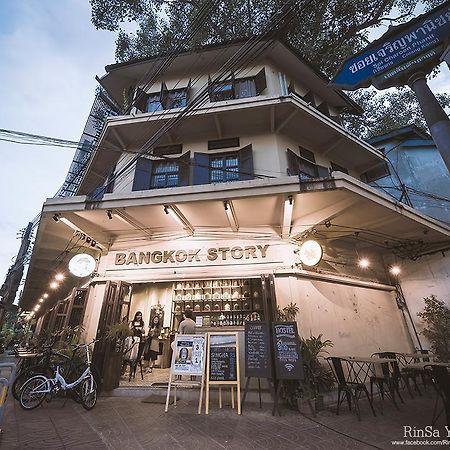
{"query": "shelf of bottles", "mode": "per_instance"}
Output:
(218, 303)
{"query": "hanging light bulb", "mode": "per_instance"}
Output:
(53, 285)
(395, 270)
(364, 263)
(59, 276)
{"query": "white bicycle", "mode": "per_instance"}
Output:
(84, 389)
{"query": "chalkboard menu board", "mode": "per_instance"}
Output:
(222, 358)
(288, 361)
(258, 359)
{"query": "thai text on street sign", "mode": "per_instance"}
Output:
(401, 49)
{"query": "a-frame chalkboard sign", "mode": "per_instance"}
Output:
(223, 366)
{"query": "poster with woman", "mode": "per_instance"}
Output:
(189, 355)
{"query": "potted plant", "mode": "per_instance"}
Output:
(115, 336)
(436, 316)
(318, 377)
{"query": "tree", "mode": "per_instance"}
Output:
(325, 32)
(436, 316)
(387, 111)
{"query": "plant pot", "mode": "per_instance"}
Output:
(307, 406)
(111, 370)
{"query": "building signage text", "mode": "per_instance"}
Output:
(395, 49)
(248, 252)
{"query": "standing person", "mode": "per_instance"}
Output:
(187, 326)
(152, 343)
(137, 327)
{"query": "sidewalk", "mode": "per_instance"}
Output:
(127, 423)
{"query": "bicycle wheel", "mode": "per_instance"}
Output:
(33, 392)
(25, 375)
(88, 393)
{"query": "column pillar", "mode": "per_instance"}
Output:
(436, 118)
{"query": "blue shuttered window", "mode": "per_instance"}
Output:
(142, 174)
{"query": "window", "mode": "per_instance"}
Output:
(223, 143)
(238, 88)
(304, 166)
(224, 168)
(164, 99)
(168, 150)
(165, 174)
(176, 98)
(161, 173)
(376, 173)
(222, 91)
(338, 168)
(153, 103)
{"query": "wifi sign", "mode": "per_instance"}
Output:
(289, 366)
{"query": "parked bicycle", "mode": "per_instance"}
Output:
(42, 364)
(40, 387)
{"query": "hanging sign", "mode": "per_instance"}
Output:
(258, 358)
(223, 365)
(288, 360)
(400, 51)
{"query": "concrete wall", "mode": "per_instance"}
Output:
(422, 168)
(93, 310)
(430, 275)
(358, 320)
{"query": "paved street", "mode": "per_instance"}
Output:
(127, 423)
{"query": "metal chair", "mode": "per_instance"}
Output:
(351, 388)
(441, 379)
(389, 378)
(132, 357)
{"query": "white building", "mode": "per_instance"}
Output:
(222, 201)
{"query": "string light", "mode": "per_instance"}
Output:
(41, 300)
(45, 295)
(395, 270)
(59, 277)
(54, 285)
(364, 263)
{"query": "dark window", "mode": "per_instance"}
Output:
(240, 88)
(177, 98)
(154, 103)
(224, 168)
(306, 154)
(338, 168)
(165, 174)
(222, 91)
(376, 173)
(304, 168)
(245, 88)
(168, 150)
(223, 143)
(161, 173)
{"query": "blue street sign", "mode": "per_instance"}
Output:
(395, 48)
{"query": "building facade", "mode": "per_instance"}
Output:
(201, 192)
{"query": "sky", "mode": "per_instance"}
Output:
(49, 55)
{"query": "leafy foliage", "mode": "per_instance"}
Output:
(436, 316)
(288, 313)
(325, 32)
(387, 111)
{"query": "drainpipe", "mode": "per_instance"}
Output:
(436, 118)
(403, 306)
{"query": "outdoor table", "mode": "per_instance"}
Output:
(409, 358)
(422, 365)
(361, 368)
